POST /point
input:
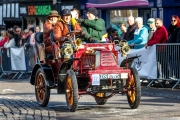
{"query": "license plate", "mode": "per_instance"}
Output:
(108, 76)
(95, 79)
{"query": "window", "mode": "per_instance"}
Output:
(120, 16)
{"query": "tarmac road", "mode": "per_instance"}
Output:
(17, 101)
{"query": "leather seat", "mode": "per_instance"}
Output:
(39, 37)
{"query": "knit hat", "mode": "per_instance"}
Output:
(93, 11)
(150, 21)
(53, 13)
(31, 29)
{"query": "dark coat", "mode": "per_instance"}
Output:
(129, 35)
(171, 29)
(173, 38)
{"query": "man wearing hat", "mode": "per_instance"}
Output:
(93, 27)
(151, 24)
(65, 25)
(160, 35)
(52, 19)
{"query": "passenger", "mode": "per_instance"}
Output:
(140, 35)
(65, 25)
(160, 35)
(130, 30)
(52, 19)
(75, 13)
(151, 24)
(93, 27)
(11, 41)
(4, 38)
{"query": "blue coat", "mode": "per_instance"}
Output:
(140, 37)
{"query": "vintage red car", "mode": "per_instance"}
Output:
(90, 68)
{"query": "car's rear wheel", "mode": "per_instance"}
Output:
(71, 90)
(101, 101)
(42, 91)
(134, 89)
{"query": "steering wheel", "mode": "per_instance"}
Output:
(74, 32)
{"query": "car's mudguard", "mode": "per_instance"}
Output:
(66, 65)
(48, 74)
(126, 63)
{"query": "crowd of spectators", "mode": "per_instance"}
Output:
(135, 32)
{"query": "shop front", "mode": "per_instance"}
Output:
(35, 14)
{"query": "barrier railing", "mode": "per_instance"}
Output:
(17, 61)
(168, 67)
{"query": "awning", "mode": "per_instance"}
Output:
(115, 3)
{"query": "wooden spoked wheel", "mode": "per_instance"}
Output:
(71, 90)
(41, 90)
(134, 89)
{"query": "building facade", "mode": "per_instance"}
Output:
(23, 12)
(164, 9)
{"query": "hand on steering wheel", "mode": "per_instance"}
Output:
(77, 33)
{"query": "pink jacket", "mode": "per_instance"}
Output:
(32, 39)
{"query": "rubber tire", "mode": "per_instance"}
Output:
(74, 95)
(103, 101)
(45, 101)
(136, 103)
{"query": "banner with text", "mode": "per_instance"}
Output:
(146, 64)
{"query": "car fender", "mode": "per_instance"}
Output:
(48, 74)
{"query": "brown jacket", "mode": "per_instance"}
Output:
(48, 28)
(61, 29)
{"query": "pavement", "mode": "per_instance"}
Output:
(18, 103)
(20, 109)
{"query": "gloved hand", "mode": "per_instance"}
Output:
(82, 33)
(91, 40)
(63, 39)
(80, 20)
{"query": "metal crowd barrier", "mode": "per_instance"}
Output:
(168, 67)
(9, 61)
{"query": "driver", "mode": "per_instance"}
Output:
(65, 25)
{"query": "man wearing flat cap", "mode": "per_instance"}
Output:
(52, 19)
(93, 27)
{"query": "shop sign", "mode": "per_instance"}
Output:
(39, 10)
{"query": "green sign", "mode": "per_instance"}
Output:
(39, 10)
